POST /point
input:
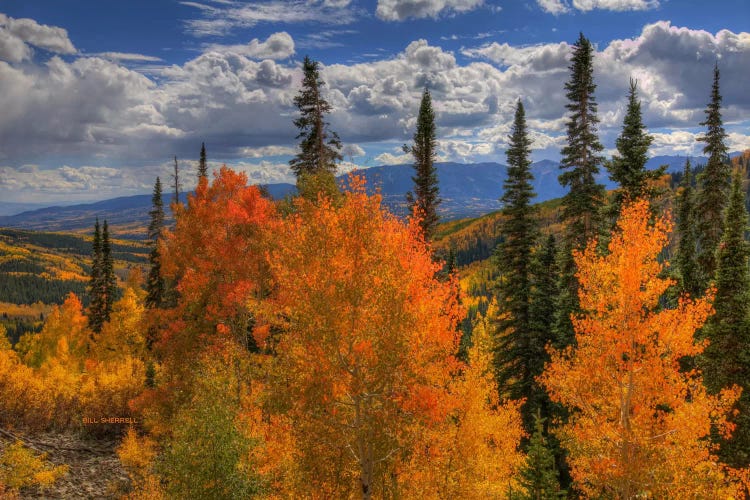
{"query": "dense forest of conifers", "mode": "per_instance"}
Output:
(320, 347)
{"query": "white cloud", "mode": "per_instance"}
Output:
(392, 159)
(51, 38)
(277, 46)
(557, 7)
(265, 151)
(127, 56)
(400, 10)
(221, 19)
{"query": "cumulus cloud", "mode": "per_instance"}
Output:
(240, 101)
(277, 46)
(400, 10)
(557, 7)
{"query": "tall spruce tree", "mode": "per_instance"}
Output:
(581, 158)
(628, 167)
(109, 280)
(714, 184)
(202, 164)
(514, 353)
(687, 265)
(726, 360)
(320, 149)
(96, 289)
(425, 198)
(176, 185)
(155, 285)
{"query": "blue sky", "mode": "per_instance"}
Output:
(98, 96)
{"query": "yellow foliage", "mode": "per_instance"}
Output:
(20, 467)
(107, 387)
(122, 335)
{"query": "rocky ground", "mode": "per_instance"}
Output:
(94, 471)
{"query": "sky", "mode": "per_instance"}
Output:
(97, 97)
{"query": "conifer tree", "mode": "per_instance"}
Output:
(628, 167)
(202, 165)
(425, 198)
(714, 182)
(686, 252)
(109, 280)
(155, 285)
(726, 359)
(176, 182)
(96, 299)
(539, 476)
(514, 353)
(320, 148)
(582, 205)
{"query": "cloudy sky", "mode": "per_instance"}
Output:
(97, 97)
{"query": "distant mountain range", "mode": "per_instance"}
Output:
(467, 190)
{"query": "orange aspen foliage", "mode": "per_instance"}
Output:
(367, 350)
(64, 322)
(217, 251)
(638, 426)
(474, 452)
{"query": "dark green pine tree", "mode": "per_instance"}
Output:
(202, 164)
(514, 355)
(109, 280)
(319, 149)
(426, 196)
(687, 265)
(96, 298)
(176, 184)
(539, 475)
(628, 167)
(581, 158)
(714, 183)
(543, 303)
(726, 360)
(155, 285)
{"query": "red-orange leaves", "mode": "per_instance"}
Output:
(638, 424)
(368, 343)
(217, 252)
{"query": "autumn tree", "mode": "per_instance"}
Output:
(425, 198)
(628, 166)
(475, 452)
(581, 158)
(155, 284)
(638, 423)
(319, 149)
(202, 163)
(725, 361)
(368, 343)
(687, 265)
(516, 352)
(714, 184)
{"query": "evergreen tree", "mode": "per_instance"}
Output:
(109, 280)
(714, 182)
(543, 301)
(319, 147)
(582, 205)
(176, 182)
(628, 167)
(96, 298)
(425, 198)
(686, 253)
(202, 165)
(514, 353)
(539, 475)
(726, 360)
(155, 285)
